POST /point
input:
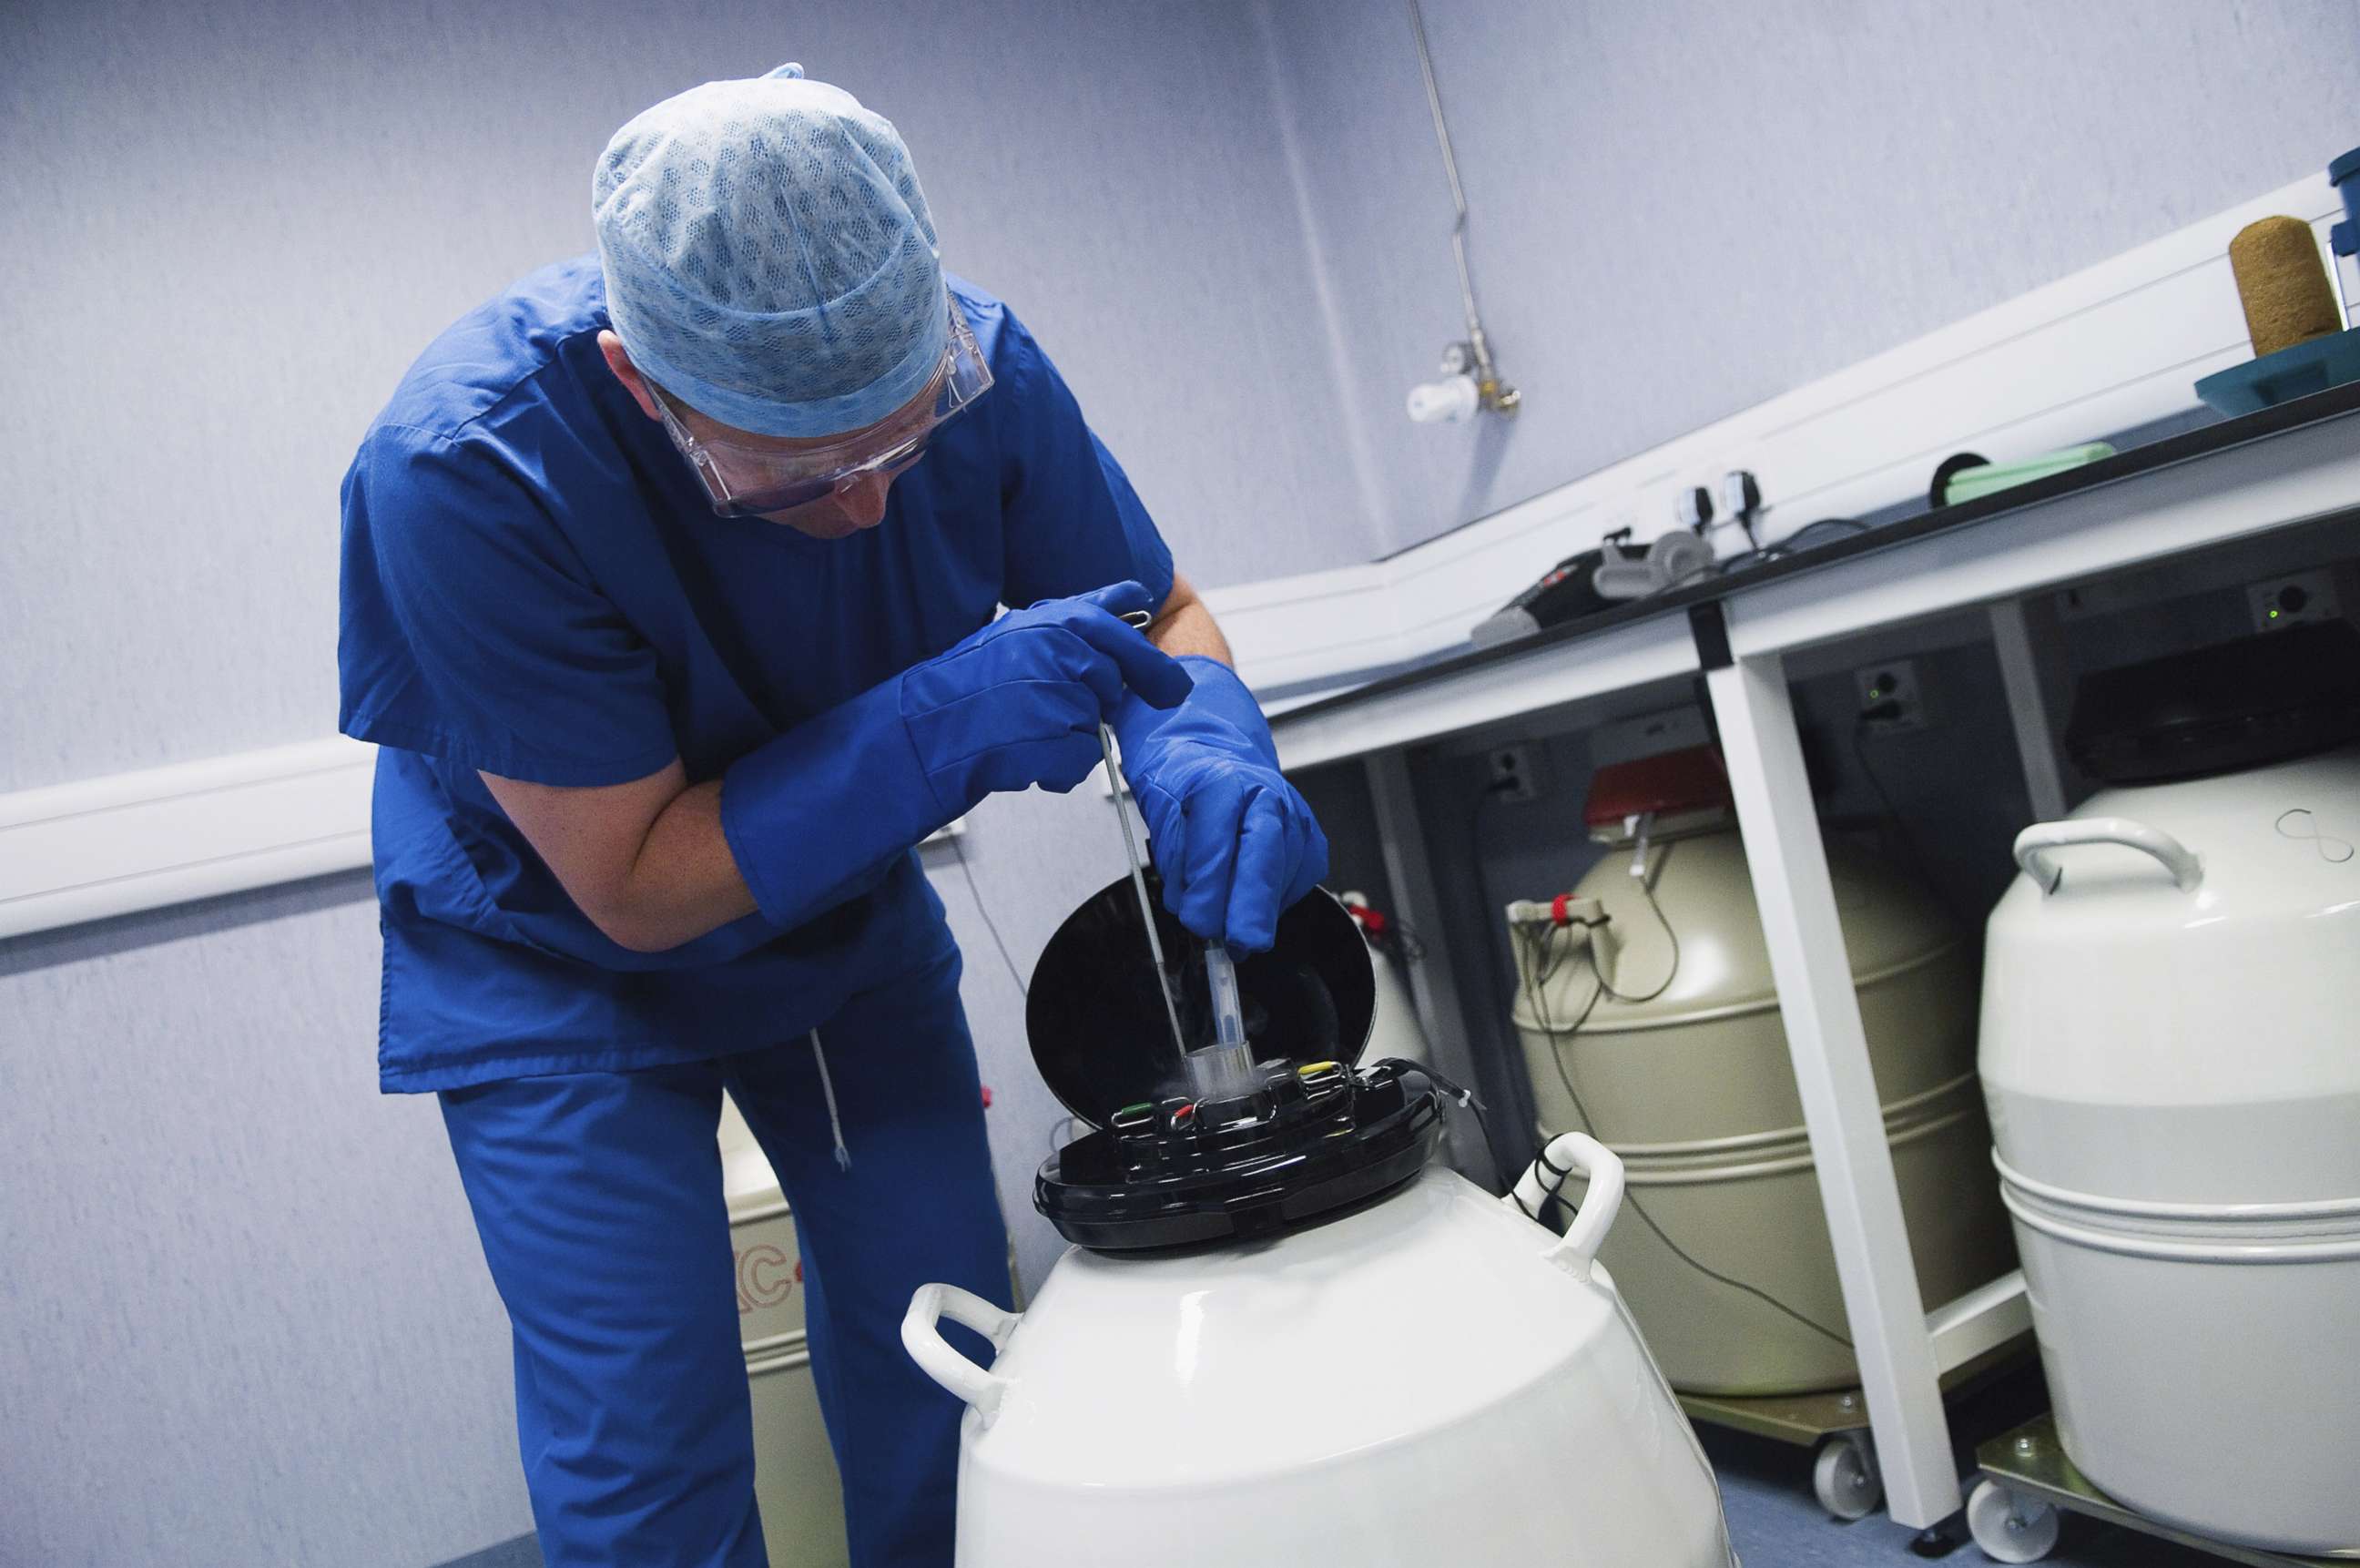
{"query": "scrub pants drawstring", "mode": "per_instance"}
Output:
(828, 1088)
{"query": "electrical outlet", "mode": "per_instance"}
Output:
(1513, 775)
(2290, 601)
(1891, 690)
(2100, 595)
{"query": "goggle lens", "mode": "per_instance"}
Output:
(771, 481)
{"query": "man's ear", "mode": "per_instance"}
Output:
(618, 360)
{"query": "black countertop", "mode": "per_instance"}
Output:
(1741, 572)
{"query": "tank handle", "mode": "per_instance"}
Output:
(1566, 1154)
(937, 1359)
(2032, 847)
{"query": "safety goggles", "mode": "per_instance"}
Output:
(743, 481)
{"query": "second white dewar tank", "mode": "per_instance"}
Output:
(1649, 1019)
(2172, 1048)
(794, 1470)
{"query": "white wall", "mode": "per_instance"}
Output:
(1683, 208)
(243, 1319)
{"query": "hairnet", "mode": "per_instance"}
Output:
(769, 256)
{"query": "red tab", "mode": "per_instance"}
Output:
(1669, 783)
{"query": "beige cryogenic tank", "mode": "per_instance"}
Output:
(1649, 1020)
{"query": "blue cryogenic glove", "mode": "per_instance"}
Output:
(822, 812)
(1235, 842)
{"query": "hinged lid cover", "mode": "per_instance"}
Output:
(1097, 1024)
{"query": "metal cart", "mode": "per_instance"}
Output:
(1844, 1475)
(2014, 1510)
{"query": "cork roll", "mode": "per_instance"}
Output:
(2287, 294)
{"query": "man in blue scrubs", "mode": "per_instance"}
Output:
(671, 592)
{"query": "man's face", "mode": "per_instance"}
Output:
(750, 462)
(851, 480)
(857, 506)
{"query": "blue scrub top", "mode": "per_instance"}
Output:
(535, 587)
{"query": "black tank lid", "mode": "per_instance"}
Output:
(1157, 1169)
(1310, 1143)
(2240, 704)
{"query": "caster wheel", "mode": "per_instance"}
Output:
(2009, 1526)
(1845, 1478)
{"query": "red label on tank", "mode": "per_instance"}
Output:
(765, 1277)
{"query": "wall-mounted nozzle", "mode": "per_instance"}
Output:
(1454, 400)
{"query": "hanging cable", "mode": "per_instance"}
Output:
(989, 925)
(1647, 891)
(1918, 863)
(1536, 980)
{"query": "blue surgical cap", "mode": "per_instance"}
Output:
(769, 256)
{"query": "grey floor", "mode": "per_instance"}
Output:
(1766, 1489)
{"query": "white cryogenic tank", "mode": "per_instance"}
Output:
(1434, 1379)
(2171, 1050)
(1287, 1338)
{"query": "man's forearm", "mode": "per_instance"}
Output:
(652, 865)
(684, 882)
(1186, 625)
(645, 860)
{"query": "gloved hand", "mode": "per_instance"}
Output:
(822, 811)
(1235, 843)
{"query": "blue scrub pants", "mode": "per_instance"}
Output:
(598, 1198)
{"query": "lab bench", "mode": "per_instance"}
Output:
(1733, 644)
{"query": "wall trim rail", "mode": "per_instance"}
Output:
(161, 836)
(2108, 348)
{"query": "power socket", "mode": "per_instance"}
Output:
(2279, 602)
(2100, 595)
(1513, 773)
(1890, 689)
